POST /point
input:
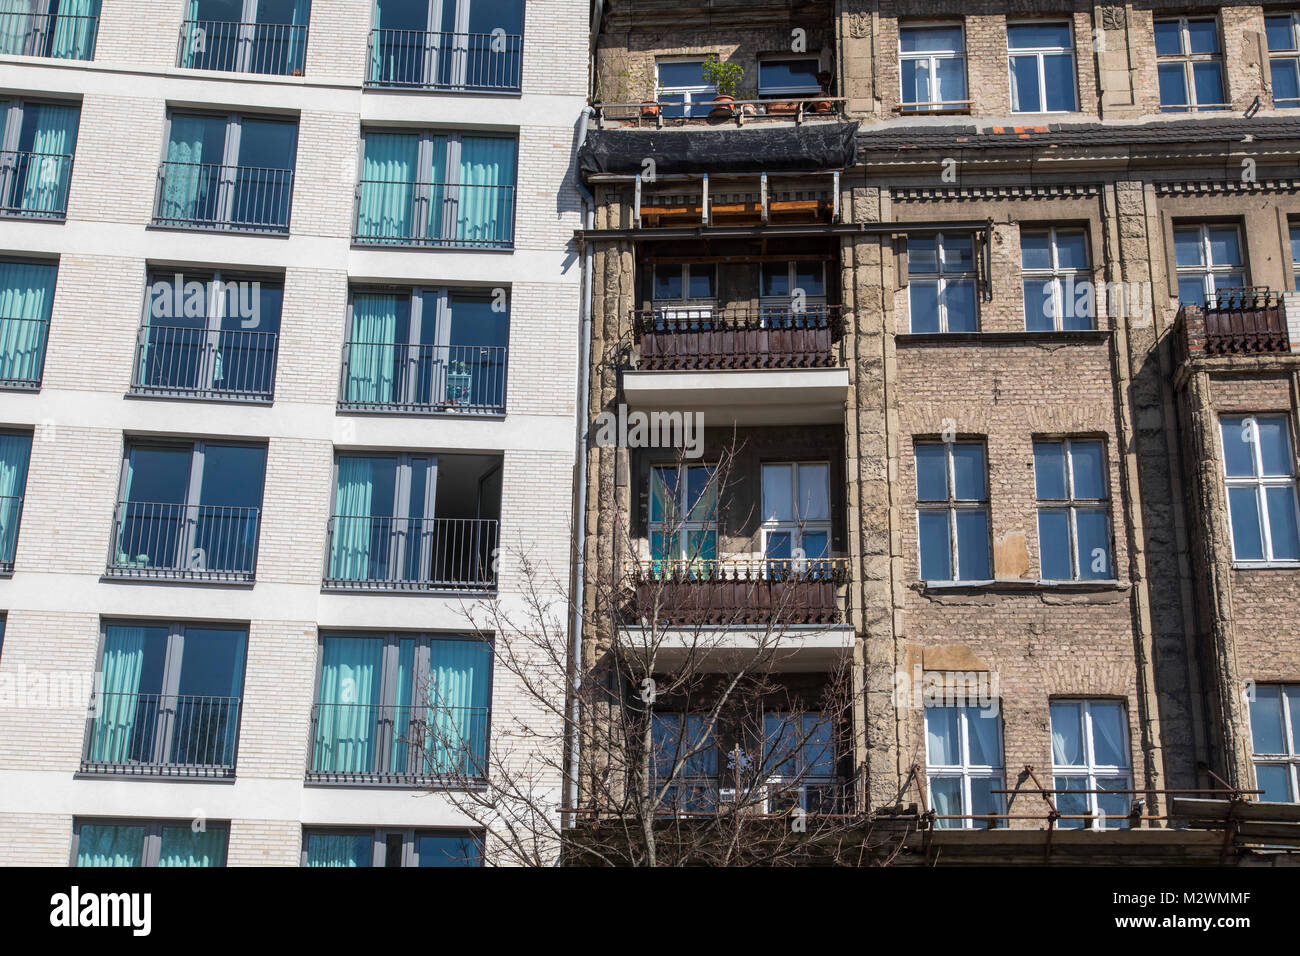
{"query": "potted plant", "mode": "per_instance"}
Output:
(458, 383)
(725, 77)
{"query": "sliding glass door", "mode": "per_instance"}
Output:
(378, 529)
(26, 298)
(37, 144)
(447, 44)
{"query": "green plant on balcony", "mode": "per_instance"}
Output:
(725, 77)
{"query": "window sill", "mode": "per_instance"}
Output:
(218, 578)
(1019, 586)
(188, 395)
(17, 385)
(1016, 337)
(1266, 565)
(56, 217)
(267, 233)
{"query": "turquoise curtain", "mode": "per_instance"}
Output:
(184, 186)
(123, 663)
(373, 349)
(402, 706)
(100, 845)
(338, 849)
(15, 26)
(457, 701)
(347, 721)
(26, 294)
(74, 29)
(181, 846)
(15, 450)
(298, 36)
(350, 549)
(485, 210)
(55, 141)
(386, 209)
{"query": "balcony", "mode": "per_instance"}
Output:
(34, 185)
(277, 49)
(377, 553)
(449, 62)
(177, 542)
(741, 592)
(229, 198)
(443, 215)
(1244, 321)
(657, 114)
(161, 735)
(770, 337)
(396, 744)
(386, 376)
(11, 516)
(229, 364)
(54, 35)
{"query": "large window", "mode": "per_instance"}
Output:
(149, 843)
(1042, 67)
(401, 708)
(1053, 264)
(167, 700)
(788, 78)
(188, 511)
(392, 847)
(62, 29)
(439, 189)
(1189, 64)
(1208, 259)
(1073, 511)
(227, 172)
(1283, 33)
(1259, 470)
(447, 44)
(932, 64)
(796, 516)
(15, 452)
(37, 143)
(1090, 761)
(681, 84)
(429, 349)
(245, 36)
(1275, 733)
(941, 283)
(964, 765)
(952, 511)
(787, 289)
(26, 298)
(684, 514)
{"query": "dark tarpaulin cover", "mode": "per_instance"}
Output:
(814, 146)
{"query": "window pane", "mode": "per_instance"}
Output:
(968, 471)
(1274, 445)
(1054, 544)
(1274, 780)
(1208, 78)
(1071, 804)
(1243, 511)
(1191, 290)
(1089, 476)
(945, 795)
(1188, 248)
(936, 557)
(816, 545)
(1225, 246)
(1049, 470)
(668, 282)
(182, 846)
(1058, 74)
(1024, 85)
(681, 73)
(1072, 249)
(788, 76)
(1279, 32)
(810, 277)
(943, 736)
(1286, 82)
(1027, 36)
(778, 493)
(1267, 736)
(1292, 699)
(923, 299)
(983, 801)
(945, 39)
(1202, 36)
(1113, 808)
(982, 728)
(1173, 86)
(1168, 37)
(701, 493)
(339, 849)
(1109, 734)
(1035, 250)
(447, 850)
(663, 494)
(1040, 308)
(958, 254)
(931, 472)
(950, 73)
(775, 277)
(916, 81)
(1093, 528)
(703, 281)
(959, 298)
(1282, 530)
(1067, 733)
(814, 492)
(973, 545)
(922, 254)
(779, 544)
(106, 845)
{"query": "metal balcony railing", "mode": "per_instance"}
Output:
(673, 112)
(1234, 321)
(162, 541)
(691, 337)
(22, 352)
(204, 196)
(11, 516)
(55, 35)
(419, 59)
(435, 214)
(423, 378)
(710, 796)
(278, 49)
(203, 363)
(411, 554)
(757, 591)
(161, 735)
(34, 185)
(402, 744)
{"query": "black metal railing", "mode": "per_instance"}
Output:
(278, 49)
(411, 554)
(205, 363)
(708, 796)
(435, 214)
(177, 541)
(22, 352)
(34, 184)
(11, 516)
(364, 743)
(420, 59)
(204, 196)
(449, 378)
(55, 35)
(161, 734)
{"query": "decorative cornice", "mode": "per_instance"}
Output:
(1208, 186)
(977, 193)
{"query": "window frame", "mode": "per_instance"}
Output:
(932, 56)
(1289, 758)
(1090, 768)
(1071, 505)
(785, 92)
(409, 835)
(941, 278)
(151, 850)
(797, 527)
(682, 525)
(951, 506)
(1186, 60)
(1260, 483)
(965, 771)
(1039, 53)
(688, 104)
(12, 118)
(1289, 55)
(1207, 270)
(1057, 274)
(404, 495)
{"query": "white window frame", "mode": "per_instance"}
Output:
(964, 770)
(932, 57)
(1090, 768)
(1071, 503)
(1290, 54)
(1038, 52)
(952, 506)
(693, 95)
(1187, 59)
(1290, 757)
(1259, 482)
(1210, 272)
(799, 526)
(1057, 274)
(942, 277)
(680, 524)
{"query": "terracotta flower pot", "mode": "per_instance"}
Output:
(649, 109)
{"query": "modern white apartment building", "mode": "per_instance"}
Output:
(288, 343)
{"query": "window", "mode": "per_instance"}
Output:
(437, 189)
(209, 335)
(1052, 263)
(1295, 255)
(15, 452)
(1042, 67)
(1189, 65)
(683, 514)
(426, 350)
(26, 298)
(799, 759)
(167, 700)
(188, 511)
(1073, 514)
(1090, 753)
(149, 843)
(788, 288)
(400, 708)
(227, 172)
(796, 516)
(62, 29)
(447, 45)
(1275, 733)
(964, 765)
(682, 83)
(1259, 470)
(245, 36)
(684, 292)
(788, 78)
(1208, 260)
(952, 511)
(397, 847)
(695, 785)
(941, 283)
(932, 63)
(1283, 33)
(37, 143)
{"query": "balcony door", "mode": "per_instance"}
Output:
(684, 517)
(26, 300)
(792, 294)
(684, 296)
(382, 526)
(246, 36)
(451, 44)
(37, 143)
(796, 517)
(62, 29)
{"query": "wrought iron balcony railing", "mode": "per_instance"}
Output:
(162, 541)
(278, 49)
(55, 35)
(22, 352)
(161, 735)
(1237, 321)
(203, 363)
(34, 185)
(411, 554)
(380, 376)
(240, 198)
(435, 214)
(756, 591)
(692, 336)
(419, 59)
(674, 112)
(710, 796)
(11, 516)
(397, 744)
